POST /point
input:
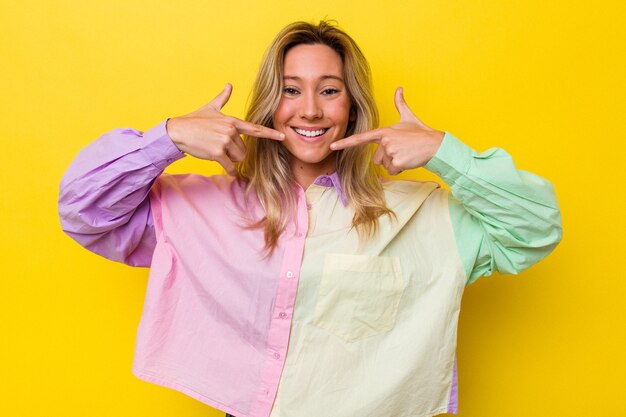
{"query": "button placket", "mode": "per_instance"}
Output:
(278, 337)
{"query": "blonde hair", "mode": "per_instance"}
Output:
(266, 166)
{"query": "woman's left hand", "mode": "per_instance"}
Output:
(405, 145)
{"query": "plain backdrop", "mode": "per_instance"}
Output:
(542, 79)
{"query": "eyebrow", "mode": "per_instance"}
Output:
(323, 77)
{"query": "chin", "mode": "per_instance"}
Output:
(312, 158)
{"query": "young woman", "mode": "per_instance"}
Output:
(378, 267)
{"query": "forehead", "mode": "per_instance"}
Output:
(312, 62)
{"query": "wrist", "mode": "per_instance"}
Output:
(172, 127)
(436, 138)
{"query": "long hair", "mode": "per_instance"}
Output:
(266, 166)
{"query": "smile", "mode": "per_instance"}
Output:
(310, 133)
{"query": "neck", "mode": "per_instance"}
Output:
(305, 173)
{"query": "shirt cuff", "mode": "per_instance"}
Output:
(452, 160)
(159, 148)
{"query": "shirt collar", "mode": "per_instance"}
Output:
(332, 180)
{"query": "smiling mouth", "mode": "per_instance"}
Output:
(310, 133)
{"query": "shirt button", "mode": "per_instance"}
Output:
(309, 206)
(289, 274)
(299, 234)
(276, 355)
(282, 315)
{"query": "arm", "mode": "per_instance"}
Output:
(103, 200)
(504, 219)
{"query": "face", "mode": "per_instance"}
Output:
(314, 109)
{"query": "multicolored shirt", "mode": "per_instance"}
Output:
(329, 324)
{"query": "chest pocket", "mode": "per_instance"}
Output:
(359, 295)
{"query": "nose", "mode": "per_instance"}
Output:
(310, 108)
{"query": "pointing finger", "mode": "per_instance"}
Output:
(372, 136)
(258, 131)
(222, 98)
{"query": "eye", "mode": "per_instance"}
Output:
(329, 91)
(290, 91)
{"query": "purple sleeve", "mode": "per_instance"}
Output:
(103, 200)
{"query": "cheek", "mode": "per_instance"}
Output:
(340, 113)
(282, 114)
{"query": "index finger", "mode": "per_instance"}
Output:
(371, 136)
(258, 131)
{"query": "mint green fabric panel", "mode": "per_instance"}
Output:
(504, 219)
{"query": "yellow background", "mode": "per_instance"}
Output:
(545, 80)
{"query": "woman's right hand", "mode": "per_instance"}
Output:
(209, 134)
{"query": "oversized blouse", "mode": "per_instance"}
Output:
(329, 324)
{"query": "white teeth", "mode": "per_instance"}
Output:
(310, 133)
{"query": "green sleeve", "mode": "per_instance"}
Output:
(504, 219)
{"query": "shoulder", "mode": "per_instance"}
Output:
(194, 188)
(193, 183)
(407, 186)
(399, 191)
(406, 198)
(190, 196)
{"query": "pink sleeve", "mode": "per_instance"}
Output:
(103, 200)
